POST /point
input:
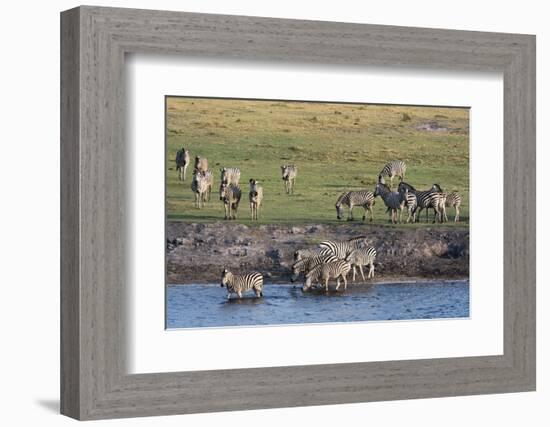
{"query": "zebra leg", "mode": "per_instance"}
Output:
(326, 283)
(350, 216)
(353, 274)
(251, 211)
(457, 214)
(362, 274)
(371, 213)
(337, 282)
(240, 294)
(185, 171)
(371, 270)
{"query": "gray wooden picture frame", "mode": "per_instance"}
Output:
(94, 381)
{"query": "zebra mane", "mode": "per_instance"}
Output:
(407, 186)
(353, 239)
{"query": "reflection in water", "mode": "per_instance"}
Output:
(192, 306)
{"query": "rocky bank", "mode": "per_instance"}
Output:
(197, 253)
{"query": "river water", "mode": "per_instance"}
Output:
(195, 306)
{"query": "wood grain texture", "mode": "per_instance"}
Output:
(94, 382)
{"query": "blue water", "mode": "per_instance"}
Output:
(194, 306)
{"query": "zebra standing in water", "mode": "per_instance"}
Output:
(238, 284)
(182, 161)
(306, 264)
(230, 195)
(200, 184)
(341, 249)
(428, 199)
(392, 169)
(230, 175)
(330, 270)
(255, 196)
(361, 257)
(392, 199)
(289, 173)
(201, 164)
(351, 199)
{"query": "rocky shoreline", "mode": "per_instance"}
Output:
(197, 253)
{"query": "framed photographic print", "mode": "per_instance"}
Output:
(281, 213)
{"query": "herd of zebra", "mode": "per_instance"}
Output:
(406, 197)
(330, 260)
(230, 191)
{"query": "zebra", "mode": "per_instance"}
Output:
(182, 161)
(200, 185)
(230, 195)
(238, 284)
(255, 196)
(331, 270)
(230, 175)
(306, 253)
(341, 249)
(359, 258)
(410, 202)
(351, 199)
(201, 164)
(428, 199)
(289, 173)
(305, 265)
(392, 199)
(454, 200)
(392, 169)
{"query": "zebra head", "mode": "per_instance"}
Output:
(284, 171)
(223, 187)
(437, 188)
(296, 270)
(225, 277)
(307, 283)
(253, 187)
(338, 206)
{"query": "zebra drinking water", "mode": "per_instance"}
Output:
(239, 284)
(392, 199)
(359, 258)
(428, 199)
(331, 270)
(306, 264)
(392, 169)
(289, 173)
(230, 175)
(182, 161)
(341, 249)
(230, 195)
(351, 199)
(255, 196)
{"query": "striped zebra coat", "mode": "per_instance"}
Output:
(182, 162)
(201, 185)
(255, 197)
(230, 195)
(351, 199)
(452, 200)
(230, 175)
(361, 257)
(393, 200)
(324, 272)
(306, 264)
(391, 170)
(306, 253)
(341, 249)
(239, 284)
(427, 199)
(289, 173)
(411, 203)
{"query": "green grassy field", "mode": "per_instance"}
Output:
(337, 147)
